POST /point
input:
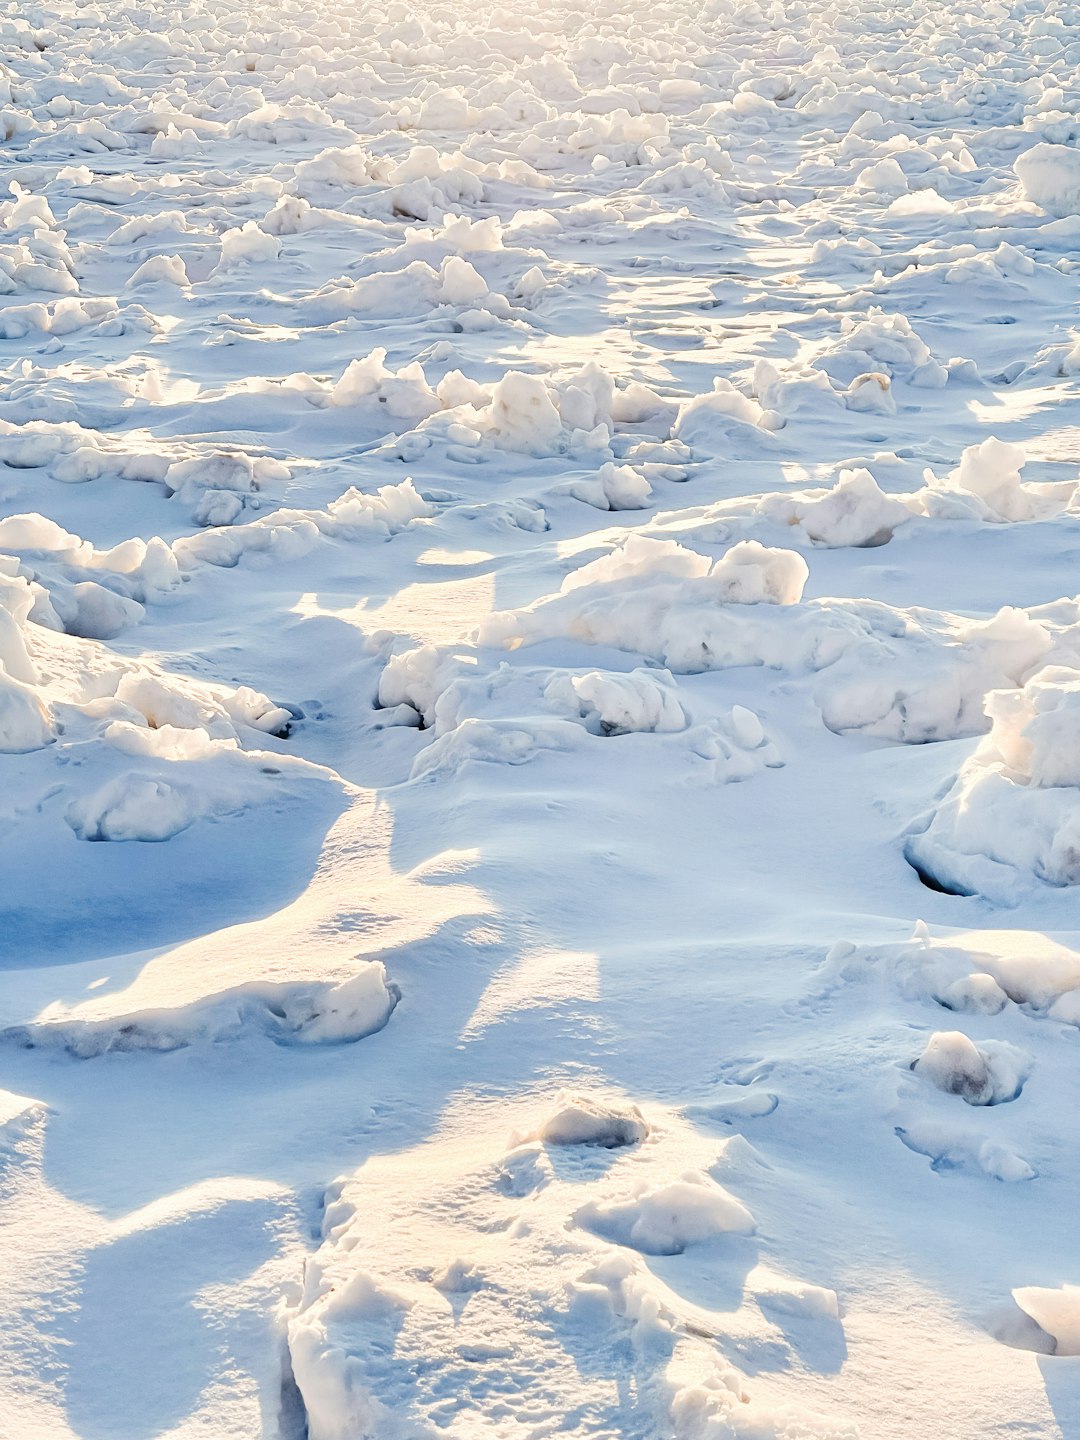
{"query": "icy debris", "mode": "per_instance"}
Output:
(523, 416)
(135, 807)
(986, 485)
(170, 702)
(160, 270)
(196, 474)
(871, 393)
(507, 714)
(884, 179)
(149, 226)
(927, 681)
(186, 737)
(87, 592)
(25, 719)
(499, 742)
(417, 679)
(751, 574)
(856, 511)
(877, 341)
(247, 244)
(975, 994)
(734, 746)
(705, 421)
(68, 315)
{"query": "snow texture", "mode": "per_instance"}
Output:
(539, 676)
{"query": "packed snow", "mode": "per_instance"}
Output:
(540, 721)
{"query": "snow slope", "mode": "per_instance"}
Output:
(539, 655)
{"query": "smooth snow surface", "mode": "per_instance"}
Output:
(540, 720)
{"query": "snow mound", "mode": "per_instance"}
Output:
(404, 394)
(454, 1260)
(987, 1075)
(1013, 815)
(853, 512)
(906, 675)
(305, 1013)
(289, 534)
(206, 477)
(613, 704)
(986, 486)
(713, 423)
(586, 1120)
(506, 714)
(187, 738)
(1050, 176)
(1055, 1311)
(83, 591)
(950, 1149)
(1021, 969)
(665, 1220)
(616, 487)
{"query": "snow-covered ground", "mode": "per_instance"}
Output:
(540, 720)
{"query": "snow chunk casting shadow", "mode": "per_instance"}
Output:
(302, 1014)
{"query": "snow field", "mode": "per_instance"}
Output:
(538, 656)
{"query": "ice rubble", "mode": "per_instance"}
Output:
(263, 261)
(509, 713)
(91, 593)
(1043, 978)
(206, 477)
(985, 487)
(189, 740)
(287, 534)
(905, 675)
(998, 996)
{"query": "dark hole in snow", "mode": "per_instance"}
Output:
(932, 882)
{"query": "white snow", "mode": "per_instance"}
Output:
(540, 677)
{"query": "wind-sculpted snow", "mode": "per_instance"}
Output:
(539, 656)
(518, 1285)
(1014, 811)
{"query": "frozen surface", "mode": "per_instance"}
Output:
(539, 721)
